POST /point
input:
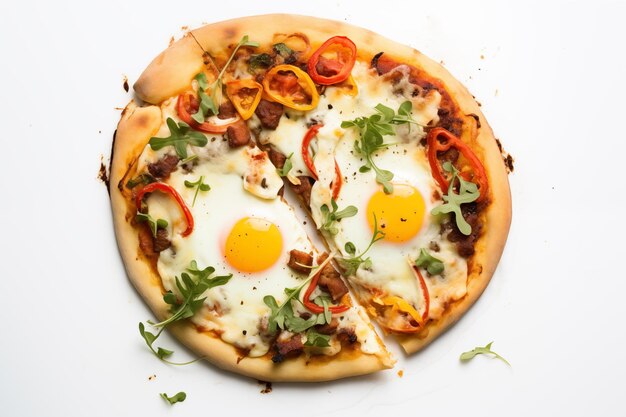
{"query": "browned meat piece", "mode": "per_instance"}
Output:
(269, 113)
(161, 241)
(285, 348)
(328, 67)
(331, 281)
(164, 166)
(146, 242)
(227, 110)
(238, 134)
(465, 244)
(347, 336)
(277, 158)
(304, 189)
(328, 328)
(297, 259)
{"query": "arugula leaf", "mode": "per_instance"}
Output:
(178, 398)
(466, 356)
(433, 265)
(352, 264)
(181, 135)
(206, 103)
(153, 224)
(213, 102)
(313, 338)
(329, 218)
(284, 171)
(468, 192)
(201, 186)
(191, 290)
(372, 130)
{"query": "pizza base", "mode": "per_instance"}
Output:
(171, 73)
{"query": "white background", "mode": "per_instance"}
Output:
(550, 78)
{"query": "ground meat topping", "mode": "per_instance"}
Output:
(238, 134)
(298, 261)
(269, 113)
(164, 166)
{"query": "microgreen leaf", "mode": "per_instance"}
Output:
(143, 179)
(178, 398)
(313, 338)
(191, 292)
(353, 263)
(467, 193)
(372, 129)
(466, 356)
(214, 101)
(330, 218)
(154, 225)
(433, 265)
(200, 186)
(284, 171)
(181, 135)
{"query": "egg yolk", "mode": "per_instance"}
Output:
(399, 214)
(253, 245)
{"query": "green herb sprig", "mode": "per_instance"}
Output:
(153, 224)
(181, 135)
(330, 218)
(486, 350)
(177, 398)
(200, 186)
(353, 263)
(433, 265)
(191, 290)
(213, 102)
(468, 192)
(372, 130)
(284, 171)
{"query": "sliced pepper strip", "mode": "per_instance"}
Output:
(283, 83)
(401, 304)
(434, 143)
(314, 307)
(168, 189)
(306, 156)
(240, 94)
(187, 102)
(341, 68)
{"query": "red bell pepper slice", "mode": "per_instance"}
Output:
(161, 186)
(306, 156)
(339, 68)
(440, 140)
(188, 103)
(314, 307)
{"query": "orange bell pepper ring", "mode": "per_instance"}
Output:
(245, 95)
(291, 87)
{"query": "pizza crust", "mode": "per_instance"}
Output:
(171, 73)
(134, 130)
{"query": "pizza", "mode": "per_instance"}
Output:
(237, 125)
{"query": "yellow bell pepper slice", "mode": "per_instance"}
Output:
(245, 95)
(291, 87)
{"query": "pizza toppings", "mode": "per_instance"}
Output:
(441, 140)
(433, 265)
(164, 166)
(238, 134)
(269, 113)
(168, 189)
(199, 185)
(306, 156)
(245, 94)
(184, 304)
(330, 218)
(328, 71)
(300, 261)
(187, 105)
(372, 129)
(181, 135)
(291, 87)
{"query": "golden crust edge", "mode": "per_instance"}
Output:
(135, 128)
